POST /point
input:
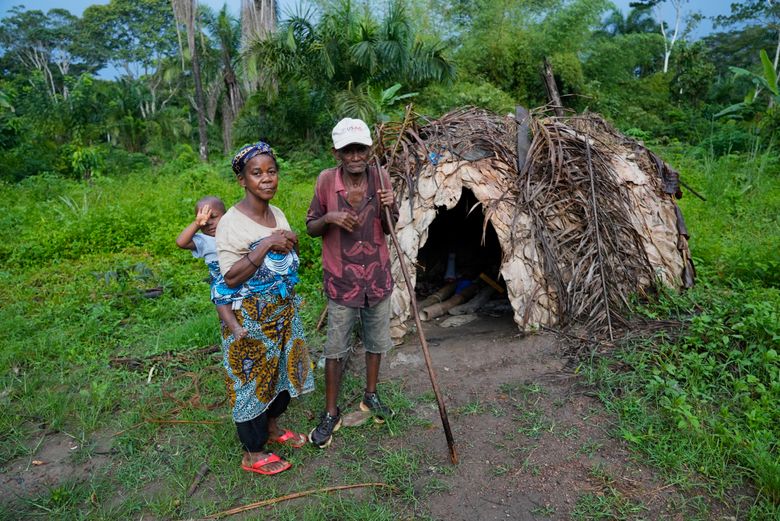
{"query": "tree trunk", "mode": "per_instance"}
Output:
(184, 12)
(777, 55)
(258, 21)
(669, 43)
(227, 127)
(202, 131)
(552, 89)
(231, 106)
(232, 89)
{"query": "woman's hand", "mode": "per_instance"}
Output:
(281, 241)
(291, 235)
(386, 197)
(346, 220)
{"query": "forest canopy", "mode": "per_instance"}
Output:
(192, 80)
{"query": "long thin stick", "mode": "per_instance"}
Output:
(321, 321)
(295, 495)
(194, 422)
(156, 420)
(424, 343)
(691, 190)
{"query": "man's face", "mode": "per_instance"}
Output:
(353, 157)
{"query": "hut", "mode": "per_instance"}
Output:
(569, 215)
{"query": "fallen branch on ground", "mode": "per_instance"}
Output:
(202, 471)
(136, 363)
(295, 495)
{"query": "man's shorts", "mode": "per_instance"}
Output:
(375, 328)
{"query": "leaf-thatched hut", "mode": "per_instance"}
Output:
(575, 216)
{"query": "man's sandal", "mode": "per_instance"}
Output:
(290, 439)
(258, 465)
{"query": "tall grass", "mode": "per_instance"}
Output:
(705, 405)
(78, 263)
(735, 233)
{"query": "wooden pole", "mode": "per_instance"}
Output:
(552, 89)
(423, 342)
(522, 118)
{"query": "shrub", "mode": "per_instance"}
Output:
(119, 161)
(436, 100)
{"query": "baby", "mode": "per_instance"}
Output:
(208, 212)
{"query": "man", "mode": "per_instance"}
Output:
(348, 212)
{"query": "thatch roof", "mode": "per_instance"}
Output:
(585, 216)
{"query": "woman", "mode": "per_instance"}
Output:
(257, 252)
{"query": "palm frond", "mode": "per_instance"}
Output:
(356, 102)
(582, 220)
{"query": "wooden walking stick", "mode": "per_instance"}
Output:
(424, 343)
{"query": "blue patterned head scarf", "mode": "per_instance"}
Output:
(247, 152)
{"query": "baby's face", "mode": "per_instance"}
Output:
(210, 228)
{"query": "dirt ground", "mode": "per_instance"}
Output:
(533, 441)
(530, 437)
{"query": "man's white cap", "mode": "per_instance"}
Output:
(349, 131)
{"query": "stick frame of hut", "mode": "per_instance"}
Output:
(585, 217)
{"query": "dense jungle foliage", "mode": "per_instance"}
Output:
(99, 174)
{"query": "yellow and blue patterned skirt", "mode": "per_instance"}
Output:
(272, 358)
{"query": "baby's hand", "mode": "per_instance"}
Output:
(203, 215)
(239, 332)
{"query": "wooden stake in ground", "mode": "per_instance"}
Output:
(424, 343)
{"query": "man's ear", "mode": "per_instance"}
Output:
(335, 153)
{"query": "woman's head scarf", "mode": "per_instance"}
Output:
(247, 152)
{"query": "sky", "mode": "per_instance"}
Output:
(706, 7)
(77, 6)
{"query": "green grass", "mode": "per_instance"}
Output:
(708, 401)
(703, 403)
(76, 261)
(735, 233)
(606, 503)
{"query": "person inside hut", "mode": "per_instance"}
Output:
(348, 212)
(257, 253)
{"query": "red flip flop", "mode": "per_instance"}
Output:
(291, 439)
(258, 465)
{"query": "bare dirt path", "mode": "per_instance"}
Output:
(534, 443)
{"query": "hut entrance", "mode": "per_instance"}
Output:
(455, 268)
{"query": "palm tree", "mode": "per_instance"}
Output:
(638, 20)
(184, 11)
(350, 54)
(225, 88)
